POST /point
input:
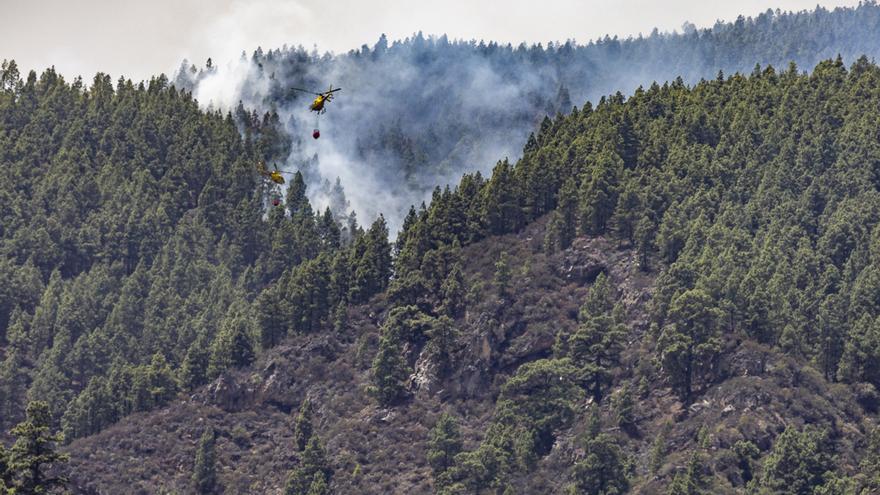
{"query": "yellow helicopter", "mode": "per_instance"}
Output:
(273, 175)
(320, 98)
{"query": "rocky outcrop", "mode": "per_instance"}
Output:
(227, 393)
(425, 381)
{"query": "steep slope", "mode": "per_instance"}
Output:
(675, 291)
(253, 409)
(375, 449)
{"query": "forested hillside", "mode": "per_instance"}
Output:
(671, 292)
(419, 112)
(135, 235)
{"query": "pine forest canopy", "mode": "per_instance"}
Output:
(420, 112)
(141, 257)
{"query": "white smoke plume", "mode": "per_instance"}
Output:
(417, 114)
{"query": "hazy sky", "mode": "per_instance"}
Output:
(139, 39)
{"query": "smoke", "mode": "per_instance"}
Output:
(416, 114)
(223, 87)
(400, 126)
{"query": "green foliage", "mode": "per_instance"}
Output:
(453, 293)
(302, 427)
(503, 273)
(194, 369)
(312, 474)
(602, 471)
(595, 346)
(552, 234)
(625, 219)
(270, 314)
(33, 457)
(861, 353)
(138, 258)
(444, 443)
(126, 389)
(371, 262)
(204, 476)
(644, 233)
(5, 472)
(141, 226)
(318, 485)
(689, 344)
(689, 481)
(233, 346)
(746, 451)
(598, 194)
(442, 334)
(659, 448)
(390, 369)
(567, 216)
(538, 400)
(800, 461)
(870, 464)
(624, 407)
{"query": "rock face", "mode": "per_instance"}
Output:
(227, 393)
(506, 331)
(472, 375)
(581, 264)
(275, 386)
(425, 381)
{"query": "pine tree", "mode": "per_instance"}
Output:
(624, 407)
(626, 213)
(371, 263)
(270, 312)
(204, 477)
(13, 375)
(33, 456)
(861, 354)
(313, 471)
(297, 201)
(602, 470)
(645, 230)
(453, 292)
(689, 344)
(340, 318)
(799, 462)
(389, 370)
(441, 333)
(870, 464)
(595, 346)
(328, 230)
(232, 347)
(444, 443)
(5, 472)
(318, 485)
(746, 451)
(161, 380)
(302, 428)
(90, 411)
(598, 194)
(689, 481)
(194, 369)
